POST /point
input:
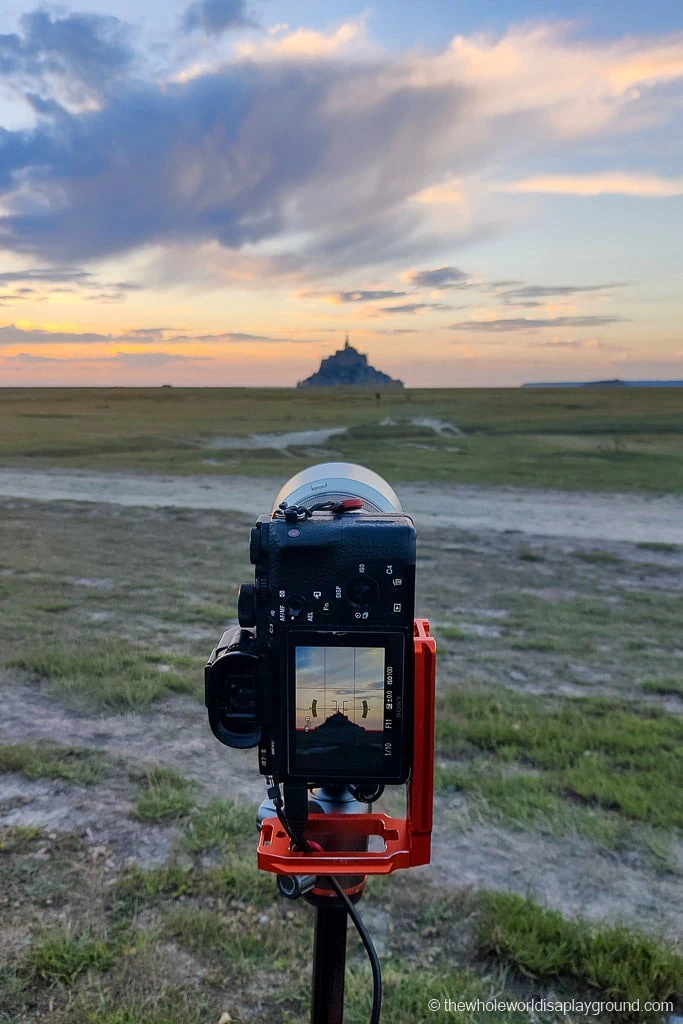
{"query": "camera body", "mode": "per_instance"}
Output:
(320, 672)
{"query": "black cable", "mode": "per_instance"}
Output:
(302, 843)
(369, 948)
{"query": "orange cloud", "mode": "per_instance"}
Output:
(620, 183)
(305, 42)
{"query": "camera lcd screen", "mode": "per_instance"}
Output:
(344, 711)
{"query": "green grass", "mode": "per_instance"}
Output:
(618, 962)
(613, 755)
(600, 440)
(114, 674)
(408, 990)
(236, 878)
(534, 803)
(50, 760)
(165, 796)
(597, 631)
(599, 557)
(60, 956)
(18, 838)
(658, 545)
(241, 942)
(450, 633)
(665, 687)
(218, 825)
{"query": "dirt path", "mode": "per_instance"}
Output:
(615, 517)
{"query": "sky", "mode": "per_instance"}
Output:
(215, 192)
(340, 679)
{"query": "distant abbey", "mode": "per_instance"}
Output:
(348, 368)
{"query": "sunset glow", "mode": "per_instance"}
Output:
(216, 193)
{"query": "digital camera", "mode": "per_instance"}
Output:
(319, 671)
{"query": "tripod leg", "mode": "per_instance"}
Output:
(329, 965)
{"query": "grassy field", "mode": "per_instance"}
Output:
(586, 439)
(128, 887)
(128, 884)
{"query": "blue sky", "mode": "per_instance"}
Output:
(215, 192)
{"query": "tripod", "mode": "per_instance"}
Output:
(331, 871)
(331, 918)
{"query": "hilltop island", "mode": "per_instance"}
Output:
(348, 368)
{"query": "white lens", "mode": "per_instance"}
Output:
(334, 481)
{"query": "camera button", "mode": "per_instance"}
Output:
(296, 604)
(362, 591)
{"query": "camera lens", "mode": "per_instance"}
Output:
(362, 590)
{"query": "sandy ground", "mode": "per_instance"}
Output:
(614, 517)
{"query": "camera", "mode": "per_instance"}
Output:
(319, 672)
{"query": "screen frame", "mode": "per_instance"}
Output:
(394, 770)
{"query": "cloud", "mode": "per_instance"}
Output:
(217, 16)
(306, 43)
(548, 291)
(11, 334)
(394, 330)
(88, 52)
(413, 307)
(524, 324)
(155, 358)
(65, 280)
(358, 295)
(442, 277)
(51, 274)
(539, 291)
(447, 193)
(127, 358)
(306, 153)
(618, 183)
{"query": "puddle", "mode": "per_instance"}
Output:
(438, 426)
(279, 442)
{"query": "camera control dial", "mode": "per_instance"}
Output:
(246, 610)
(362, 591)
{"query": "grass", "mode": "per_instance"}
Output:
(52, 761)
(409, 989)
(600, 440)
(60, 956)
(599, 557)
(620, 963)
(530, 802)
(18, 838)
(218, 825)
(179, 944)
(623, 633)
(236, 878)
(451, 633)
(664, 687)
(165, 796)
(240, 941)
(609, 754)
(114, 674)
